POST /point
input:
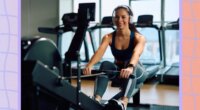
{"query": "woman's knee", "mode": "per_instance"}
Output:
(142, 78)
(102, 77)
(106, 65)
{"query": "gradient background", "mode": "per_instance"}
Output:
(190, 58)
(10, 54)
(10, 21)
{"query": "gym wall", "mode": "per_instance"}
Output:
(39, 13)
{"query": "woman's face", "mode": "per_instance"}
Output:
(121, 18)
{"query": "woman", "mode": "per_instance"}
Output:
(127, 45)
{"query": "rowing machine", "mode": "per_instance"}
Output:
(95, 73)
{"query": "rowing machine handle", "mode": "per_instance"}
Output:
(109, 72)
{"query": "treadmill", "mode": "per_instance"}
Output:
(170, 75)
(151, 56)
(105, 24)
(91, 43)
(64, 33)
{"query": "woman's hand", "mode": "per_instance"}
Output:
(125, 73)
(87, 70)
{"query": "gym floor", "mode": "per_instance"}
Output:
(151, 92)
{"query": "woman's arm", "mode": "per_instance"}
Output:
(98, 54)
(139, 47)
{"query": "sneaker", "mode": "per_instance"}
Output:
(124, 107)
(114, 104)
(96, 100)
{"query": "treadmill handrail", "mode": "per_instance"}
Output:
(147, 26)
(100, 26)
(159, 35)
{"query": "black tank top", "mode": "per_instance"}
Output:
(122, 55)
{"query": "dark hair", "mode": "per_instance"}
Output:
(133, 28)
(130, 12)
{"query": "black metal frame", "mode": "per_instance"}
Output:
(49, 82)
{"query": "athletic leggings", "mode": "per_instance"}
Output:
(127, 85)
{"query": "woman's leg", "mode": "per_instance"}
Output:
(129, 85)
(101, 82)
(141, 73)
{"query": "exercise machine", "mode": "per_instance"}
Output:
(106, 23)
(69, 27)
(151, 57)
(170, 73)
(39, 88)
(44, 74)
(45, 87)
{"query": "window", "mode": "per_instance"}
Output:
(172, 46)
(171, 35)
(171, 10)
(152, 7)
(151, 53)
(109, 5)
